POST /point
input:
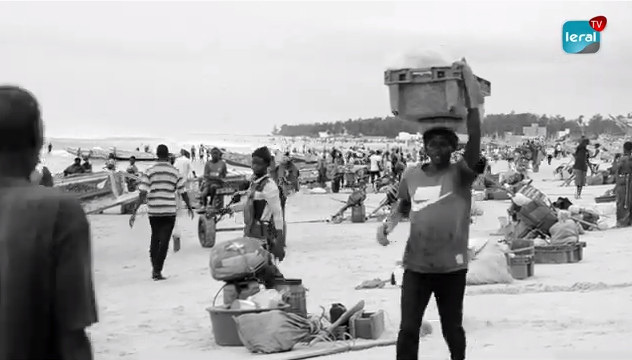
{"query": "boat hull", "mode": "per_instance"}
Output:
(97, 191)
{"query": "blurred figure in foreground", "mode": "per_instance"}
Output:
(47, 295)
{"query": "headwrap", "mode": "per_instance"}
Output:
(264, 154)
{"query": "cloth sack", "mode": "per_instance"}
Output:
(489, 266)
(564, 232)
(272, 331)
(237, 259)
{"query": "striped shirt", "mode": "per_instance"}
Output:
(162, 182)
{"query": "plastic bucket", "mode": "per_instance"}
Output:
(224, 326)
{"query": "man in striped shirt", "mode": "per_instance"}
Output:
(160, 186)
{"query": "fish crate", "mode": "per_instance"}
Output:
(367, 325)
(521, 266)
(428, 94)
(560, 254)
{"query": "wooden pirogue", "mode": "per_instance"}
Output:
(98, 191)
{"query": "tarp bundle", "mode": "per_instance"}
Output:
(237, 259)
(488, 265)
(274, 331)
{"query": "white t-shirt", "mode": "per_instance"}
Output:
(183, 164)
(375, 162)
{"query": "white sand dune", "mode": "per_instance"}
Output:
(568, 311)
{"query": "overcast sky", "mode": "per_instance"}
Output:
(154, 69)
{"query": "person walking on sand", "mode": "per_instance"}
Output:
(159, 186)
(622, 170)
(47, 297)
(437, 198)
(183, 164)
(580, 168)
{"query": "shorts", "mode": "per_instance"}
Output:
(580, 177)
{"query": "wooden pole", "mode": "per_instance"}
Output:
(342, 349)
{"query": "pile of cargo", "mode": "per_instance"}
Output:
(541, 232)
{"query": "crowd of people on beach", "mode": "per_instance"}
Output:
(433, 191)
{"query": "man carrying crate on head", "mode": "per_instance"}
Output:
(437, 199)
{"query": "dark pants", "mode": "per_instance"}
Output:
(374, 175)
(161, 229)
(449, 290)
(623, 192)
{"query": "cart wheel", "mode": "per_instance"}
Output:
(206, 231)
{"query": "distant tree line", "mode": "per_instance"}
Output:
(493, 125)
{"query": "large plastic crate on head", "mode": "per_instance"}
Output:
(429, 94)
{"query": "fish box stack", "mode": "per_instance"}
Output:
(432, 96)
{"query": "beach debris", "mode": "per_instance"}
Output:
(328, 332)
(376, 283)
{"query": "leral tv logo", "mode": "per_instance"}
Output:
(583, 36)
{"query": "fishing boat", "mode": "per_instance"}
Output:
(120, 155)
(237, 159)
(244, 160)
(98, 191)
(139, 155)
(94, 153)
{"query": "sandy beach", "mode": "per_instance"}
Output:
(568, 311)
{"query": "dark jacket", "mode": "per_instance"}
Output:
(581, 158)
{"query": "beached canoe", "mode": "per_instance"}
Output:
(244, 160)
(237, 159)
(97, 191)
(120, 155)
(93, 153)
(139, 155)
